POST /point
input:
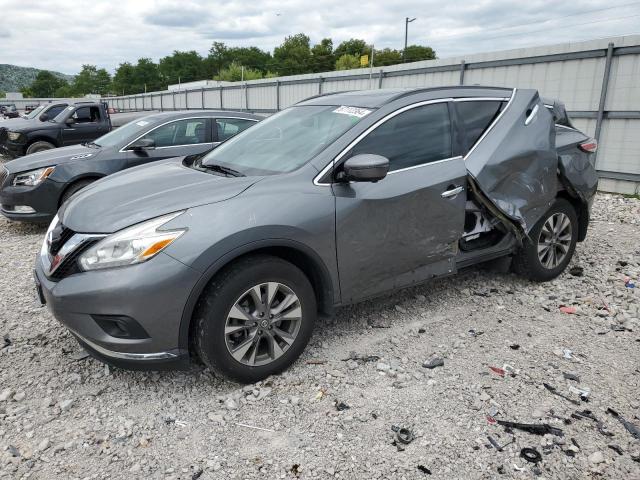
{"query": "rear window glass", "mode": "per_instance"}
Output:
(477, 116)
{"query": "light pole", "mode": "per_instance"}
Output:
(407, 21)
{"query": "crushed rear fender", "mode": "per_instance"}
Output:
(515, 163)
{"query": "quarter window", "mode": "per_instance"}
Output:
(181, 132)
(415, 137)
(228, 127)
(476, 116)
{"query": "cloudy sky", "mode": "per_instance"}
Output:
(63, 34)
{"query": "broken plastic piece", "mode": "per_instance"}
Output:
(340, 406)
(424, 469)
(570, 376)
(497, 370)
(531, 455)
(616, 448)
(556, 392)
(631, 428)
(433, 363)
(568, 310)
(568, 354)
(535, 428)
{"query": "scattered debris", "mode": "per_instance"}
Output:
(557, 393)
(616, 448)
(475, 333)
(6, 342)
(433, 363)
(576, 271)
(13, 451)
(403, 436)
(316, 362)
(424, 469)
(568, 354)
(531, 455)
(588, 414)
(496, 445)
(568, 310)
(535, 428)
(515, 346)
(340, 406)
(295, 469)
(631, 428)
(361, 358)
(81, 355)
(197, 474)
(571, 376)
(254, 427)
(584, 392)
(497, 370)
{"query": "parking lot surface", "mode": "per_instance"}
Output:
(63, 415)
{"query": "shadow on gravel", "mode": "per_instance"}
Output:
(27, 228)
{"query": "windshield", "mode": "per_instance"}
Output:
(35, 112)
(286, 140)
(124, 134)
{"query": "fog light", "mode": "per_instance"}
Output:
(23, 209)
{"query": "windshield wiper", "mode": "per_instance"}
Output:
(222, 169)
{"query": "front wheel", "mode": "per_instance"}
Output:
(551, 244)
(39, 146)
(255, 318)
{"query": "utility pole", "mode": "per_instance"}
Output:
(371, 67)
(407, 21)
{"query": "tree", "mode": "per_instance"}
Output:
(355, 46)
(387, 56)
(322, 58)
(46, 84)
(92, 80)
(347, 62)
(217, 59)
(181, 67)
(415, 53)
(293, 56)
(123, 79)
(65, 91)
(147, 76)
(26, 92)
(235, 73)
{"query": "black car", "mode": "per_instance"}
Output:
(33, 188)
(39, 114)
(10, 111)
(78, 123)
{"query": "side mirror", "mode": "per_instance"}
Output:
(44, 117)
(365, 167)
(143, 144)
(70, 121)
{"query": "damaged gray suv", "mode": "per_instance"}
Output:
(230, 256)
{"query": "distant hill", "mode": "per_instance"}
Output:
(13, 77)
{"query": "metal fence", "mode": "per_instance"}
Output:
(598, 80)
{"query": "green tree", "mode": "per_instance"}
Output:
(147, 76)
(415, 53)
(234, 73)
(355, 46)
(322, 58)
(3, 94)
(217, 59)
(123, 79)
(347, 62)
(181, 67)
(387, 56)
(65, 91)
(293, 56)
(46, 84)
(92, 79)
(26, 92)
(251, 57)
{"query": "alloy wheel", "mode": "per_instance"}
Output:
(554, 240)
(263, 324)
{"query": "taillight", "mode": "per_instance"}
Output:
(590, 146)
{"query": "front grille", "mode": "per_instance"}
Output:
(4, 174)
(70, 265)
(59, 236)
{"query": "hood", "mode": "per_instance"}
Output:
(26, 124)
(55, 156)
(146, 192)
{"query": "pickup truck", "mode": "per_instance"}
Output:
(80, 122)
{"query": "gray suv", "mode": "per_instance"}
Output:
(231, 255)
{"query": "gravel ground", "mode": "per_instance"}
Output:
(331, 415)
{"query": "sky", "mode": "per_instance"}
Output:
(63, 35)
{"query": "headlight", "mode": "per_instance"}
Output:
(14, 135)
(33, 177)
(132, 245)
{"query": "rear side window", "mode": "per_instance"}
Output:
(228, 127)
(476, 116)
(415, 137)
(189, 131)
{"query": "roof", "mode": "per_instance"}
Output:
(157, 116)
(380, 97)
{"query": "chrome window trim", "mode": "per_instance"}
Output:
(323, 172)
(199, 117)
(486, 132)
(424, 165)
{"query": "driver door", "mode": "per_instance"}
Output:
(405, 228)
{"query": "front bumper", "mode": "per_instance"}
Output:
(14, 149)
(42, 198)
(151, 294)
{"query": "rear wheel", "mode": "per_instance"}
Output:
(551, 245)
(39, 147)
(255, 318)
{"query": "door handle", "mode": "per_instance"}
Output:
(452, 193)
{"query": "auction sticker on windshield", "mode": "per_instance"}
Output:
(353, 111)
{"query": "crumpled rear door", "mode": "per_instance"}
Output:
(515, 163)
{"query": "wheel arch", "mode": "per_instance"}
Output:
(42, 138)
(294, 252)
(89, 176)
(582, 212)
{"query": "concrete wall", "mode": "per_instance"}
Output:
(572, 72)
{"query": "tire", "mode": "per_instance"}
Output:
(40, 146)
(545, 266)
(74, 188)
(218, 310)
